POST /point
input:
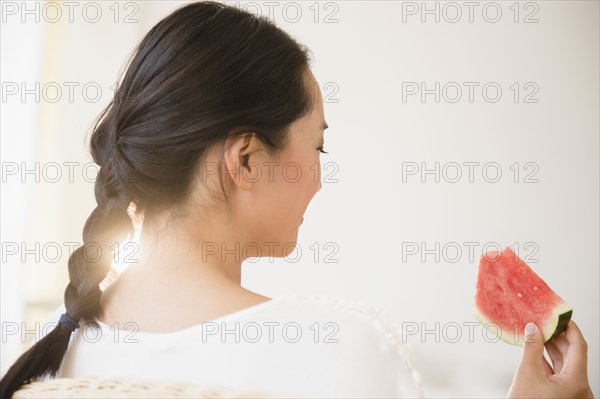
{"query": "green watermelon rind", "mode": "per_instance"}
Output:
(563, 321)
(554, 325)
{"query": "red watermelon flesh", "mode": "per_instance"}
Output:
(509, 295)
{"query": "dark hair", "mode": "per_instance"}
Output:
(206, 72)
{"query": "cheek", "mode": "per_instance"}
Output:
(299, 182)
(313, 171)
(313, 177)
(295, 181)
(310, 183)
(298, 185)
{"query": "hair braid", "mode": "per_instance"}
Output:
(88, 266)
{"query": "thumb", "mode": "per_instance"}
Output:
(533, 349)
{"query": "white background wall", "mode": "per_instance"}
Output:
(371, 214)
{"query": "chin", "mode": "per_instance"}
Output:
(288, 248)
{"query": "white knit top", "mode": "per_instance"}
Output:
(304, 345)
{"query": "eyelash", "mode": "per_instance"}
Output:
(320, 149)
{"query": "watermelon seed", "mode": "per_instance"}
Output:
(519, 295)
(535, 288)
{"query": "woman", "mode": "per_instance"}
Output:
(215, 108)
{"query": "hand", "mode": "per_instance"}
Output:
(566, 378)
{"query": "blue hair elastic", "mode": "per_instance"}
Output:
(69, 322)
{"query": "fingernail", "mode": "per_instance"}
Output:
(529, 329)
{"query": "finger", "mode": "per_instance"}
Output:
(561, 343)
(533, 348)
(576, 358)
(548, 369)
(555, 355)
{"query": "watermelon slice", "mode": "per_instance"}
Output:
(509, 295)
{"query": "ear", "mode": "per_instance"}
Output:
(240, 158)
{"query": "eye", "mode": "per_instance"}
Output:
(320, 149)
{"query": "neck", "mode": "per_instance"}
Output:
(181, 249)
